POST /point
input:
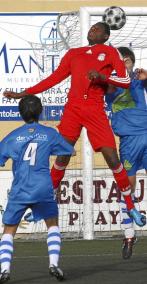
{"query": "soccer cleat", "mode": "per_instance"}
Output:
(139, 219)
(56, 272)
(127, 247)
(4, 277)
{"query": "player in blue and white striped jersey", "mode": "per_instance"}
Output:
(30, 147)
(128, 113)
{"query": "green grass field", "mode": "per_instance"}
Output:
(84, 262)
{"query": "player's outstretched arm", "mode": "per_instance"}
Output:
(10, 94)
(61, 73)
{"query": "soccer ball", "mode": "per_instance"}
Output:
(115, 17)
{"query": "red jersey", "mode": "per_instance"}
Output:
(77, 62)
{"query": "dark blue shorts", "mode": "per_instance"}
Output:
(41, 210)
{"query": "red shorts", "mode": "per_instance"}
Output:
(93, 118)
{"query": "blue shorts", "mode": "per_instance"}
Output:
(41, 210)
(133, 153)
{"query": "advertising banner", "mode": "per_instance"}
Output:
(30, 50)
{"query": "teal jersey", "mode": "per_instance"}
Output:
(128, 109)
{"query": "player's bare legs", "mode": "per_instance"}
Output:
(53, 242)
(119, 173)
(54, 245)
(6, 251)
(10, 229)
(111, 157)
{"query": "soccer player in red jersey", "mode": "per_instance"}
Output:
(90, 68)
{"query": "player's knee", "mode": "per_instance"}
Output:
(51, 222)
(111, 157)
(113, 162)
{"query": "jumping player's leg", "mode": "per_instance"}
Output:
(102, 139)
(119, 173)
(70, 128)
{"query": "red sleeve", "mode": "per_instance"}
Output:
(122, 78)
(61, 73)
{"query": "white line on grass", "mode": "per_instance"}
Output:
(75, 255)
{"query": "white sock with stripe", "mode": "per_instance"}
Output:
(6, 250)
(54, 244)
(126, 220)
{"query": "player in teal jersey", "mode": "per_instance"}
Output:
(128, 113)
(30, 147)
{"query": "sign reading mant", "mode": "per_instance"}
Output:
(30, 50)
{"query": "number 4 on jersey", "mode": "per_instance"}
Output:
(30, 153)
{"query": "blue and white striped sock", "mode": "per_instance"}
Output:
(6, 250)
(126, 220)
(54, 245)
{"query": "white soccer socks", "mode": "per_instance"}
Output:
(6, 250)
(54, 244)
(126, 220)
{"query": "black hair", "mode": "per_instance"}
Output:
(127, 52)
(105, 26)
(30, 108)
